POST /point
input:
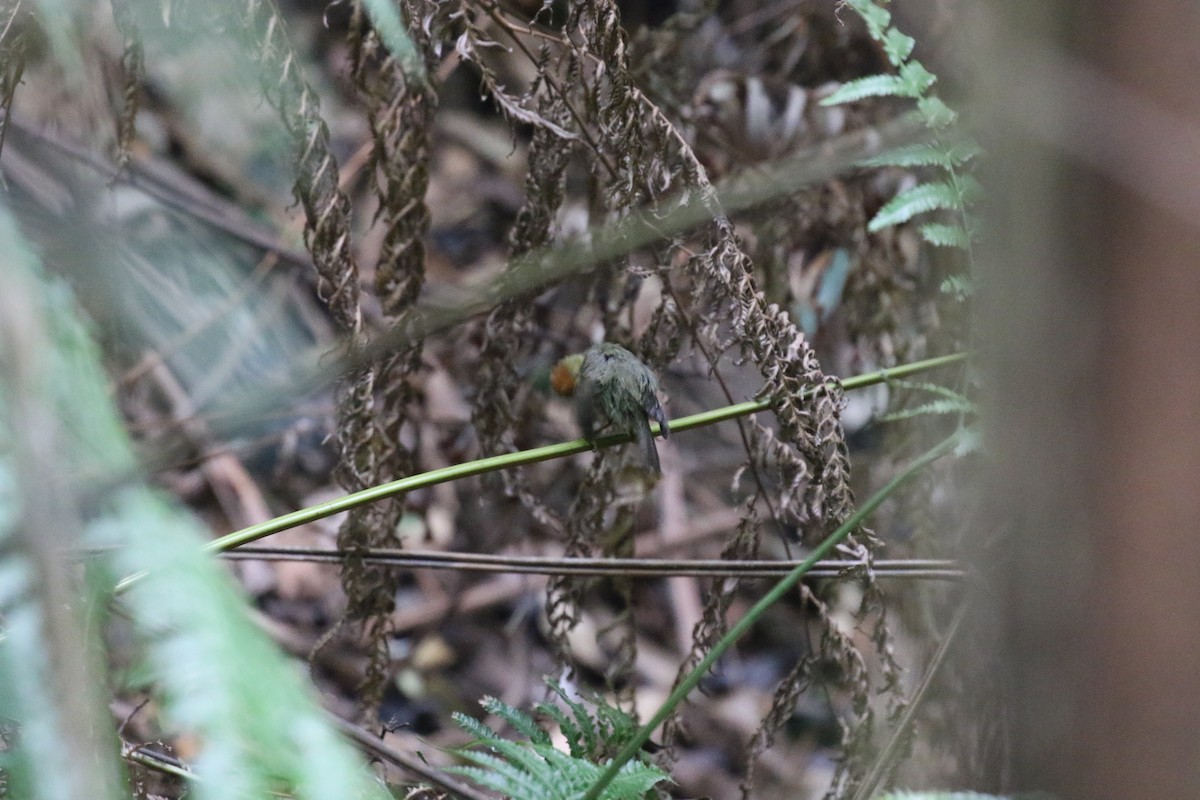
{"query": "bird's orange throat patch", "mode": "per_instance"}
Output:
(562, 379)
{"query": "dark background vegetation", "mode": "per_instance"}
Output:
(318, 258)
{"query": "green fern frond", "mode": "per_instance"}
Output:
(917, 200)
(536, 770)
(635, 780)
(970, 440)
(521, 722)
(935, 113)
(949, 402)
(963, 151)
(874, 15)
(927, 155)
(580, 739)
(580, 729)
(497, 773)
(909, 155)
(912, 80)
(870, 86)
(898, 46)
(43, 349)
(945, 235)
(946, 152)
(933, 388)
(915, 80)
(555, 775)
(216, 676)
(590, 734)
(618, 725)
(970, 188)
(474, 727)
(936, 407)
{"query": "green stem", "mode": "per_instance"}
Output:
(685, 686)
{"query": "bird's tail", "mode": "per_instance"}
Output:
(645, 441)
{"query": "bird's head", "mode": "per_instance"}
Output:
(565, 374)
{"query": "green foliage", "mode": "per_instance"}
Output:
(947, 152)
(535, 769)
(591, 735)
(911, 202)
(216, 676)
(925, 154)
(870, 86)
(215, 672)
(944, 235)
(50, 713)
(948, 402)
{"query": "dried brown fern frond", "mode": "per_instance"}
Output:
(509, 334)
(326, 207)
(327, 237)
(133, 67)
(636, 156)
(399, 106)
(327, 215)
(400, 100)
(508, 331)
(623, 154)
(13, 44)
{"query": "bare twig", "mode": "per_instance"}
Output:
(932, 569)
(376, 747)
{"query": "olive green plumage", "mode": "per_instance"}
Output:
(611, 386)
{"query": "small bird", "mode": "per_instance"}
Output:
(612, 386)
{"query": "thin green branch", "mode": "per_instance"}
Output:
(507, 460)
(783, 587)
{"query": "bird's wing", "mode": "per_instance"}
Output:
(654, 409)
(585, 407)
(646, 442)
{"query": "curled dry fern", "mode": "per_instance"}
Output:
(508, 331)
(392, 75)
(14, 43)
(327, 236)
(133, 63)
